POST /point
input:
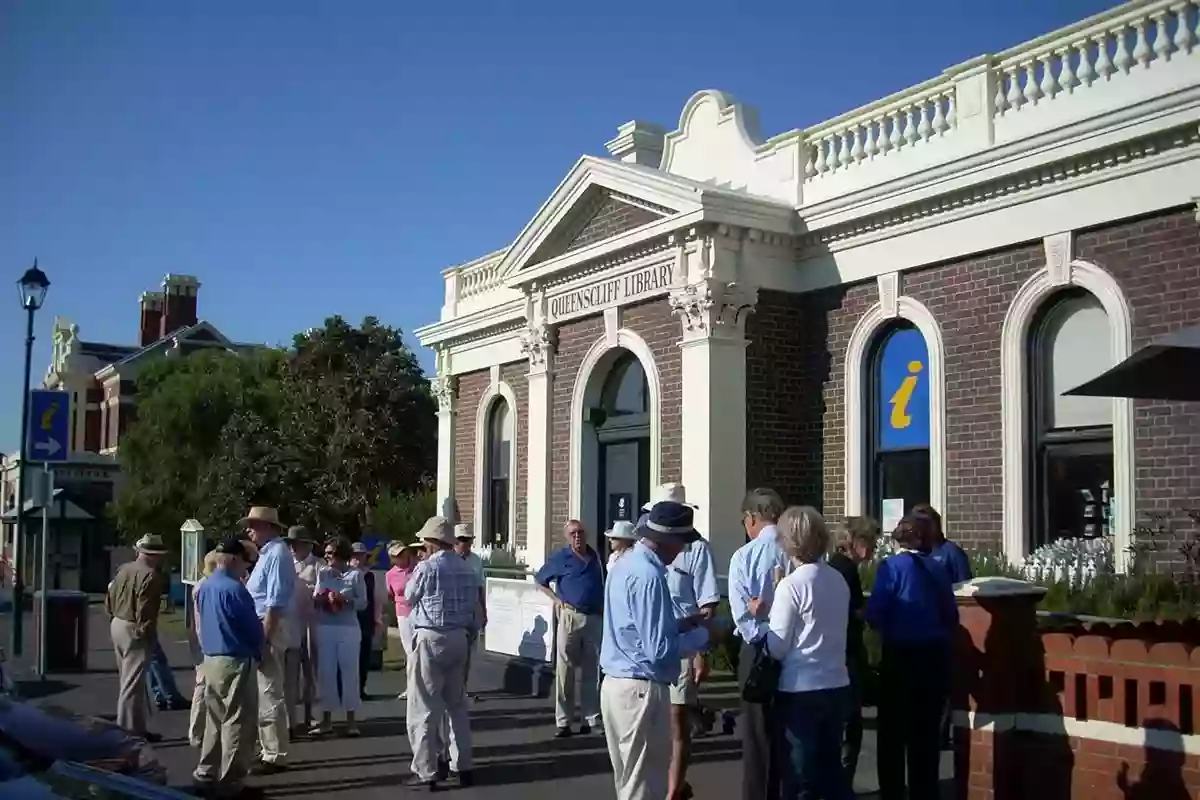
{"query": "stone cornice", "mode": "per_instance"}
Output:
(1018, 187)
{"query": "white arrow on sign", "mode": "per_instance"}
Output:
(51, 446)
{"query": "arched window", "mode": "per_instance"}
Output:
(1072, 470)
(898, 440)
(499, 478)
(625, 389)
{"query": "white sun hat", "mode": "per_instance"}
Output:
(669, 493)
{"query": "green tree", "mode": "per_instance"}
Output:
(184, 407)
(361, 420)
(400, 515)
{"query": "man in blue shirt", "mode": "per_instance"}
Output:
(578, 595)
(231, 639)
(753, 572)
(271, 584)
(640, 654)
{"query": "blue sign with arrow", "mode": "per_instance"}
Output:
(49, 425)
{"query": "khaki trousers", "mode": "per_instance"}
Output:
(300, 677)
(273, 723)
(197, 716)
(637, 729)
(436, 689)
(230, 718)
(133, 659)
(577, 647)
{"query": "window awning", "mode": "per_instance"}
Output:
(1166, 369)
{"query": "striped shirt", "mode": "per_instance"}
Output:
(443, 592)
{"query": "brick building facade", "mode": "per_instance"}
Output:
(883, 309)
(101, 379)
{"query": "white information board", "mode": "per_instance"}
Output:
(520, 620)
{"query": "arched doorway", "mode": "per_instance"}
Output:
(621, 426)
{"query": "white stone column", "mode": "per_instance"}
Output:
(445, 390)
(537, 343)
(713, 307)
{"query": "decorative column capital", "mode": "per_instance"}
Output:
(445, 390)
(713, 309)
(537, 344)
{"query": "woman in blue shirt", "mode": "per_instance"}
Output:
(913, 609)
(339, 595)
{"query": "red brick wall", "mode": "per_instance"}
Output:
(471, 386)
(796, 363)
(1017, 765)
(655, 323)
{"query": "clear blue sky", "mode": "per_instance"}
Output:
(311, 158)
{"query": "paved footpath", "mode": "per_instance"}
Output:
(515, 753)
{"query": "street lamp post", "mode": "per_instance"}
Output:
(33, 285)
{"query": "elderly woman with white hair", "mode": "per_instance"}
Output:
(808, 621)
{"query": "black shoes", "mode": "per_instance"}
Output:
(563, 733)
(466, 778)
(267, 768)
(585, 730)
(416, 782)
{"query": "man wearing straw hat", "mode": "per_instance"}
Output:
(272, 585)
(443, 593)
(132, 602)
(640, 654)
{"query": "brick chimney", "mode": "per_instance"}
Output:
(179, 303)
(151, 304)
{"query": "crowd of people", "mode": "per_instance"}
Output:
(281, 631)
(640, 629)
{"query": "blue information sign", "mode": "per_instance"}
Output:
(904, 391)
(49, 425)
(377, 548)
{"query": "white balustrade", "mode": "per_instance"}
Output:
(912, 118)
(1090, 54)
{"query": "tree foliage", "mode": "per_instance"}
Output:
(321, 431)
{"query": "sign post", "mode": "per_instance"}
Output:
(49, 442)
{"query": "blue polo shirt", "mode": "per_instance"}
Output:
(580, 580)
(229, 625)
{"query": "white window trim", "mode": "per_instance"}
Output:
(858, 351)
(496, 389)
(1014, 387)
(586, 393)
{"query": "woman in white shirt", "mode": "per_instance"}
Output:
(808, 621)
(339, 595)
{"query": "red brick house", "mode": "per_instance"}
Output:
(102, 379)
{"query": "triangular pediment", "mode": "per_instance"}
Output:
(600, 214)
(599, 200)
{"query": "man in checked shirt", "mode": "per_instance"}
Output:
(443, 593)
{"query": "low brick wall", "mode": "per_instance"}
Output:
(1102, 712)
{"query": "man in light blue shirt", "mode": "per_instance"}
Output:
(753, 572)
(271, 585)
(641, 650)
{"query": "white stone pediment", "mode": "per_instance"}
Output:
(635, 196)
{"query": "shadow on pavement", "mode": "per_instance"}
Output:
(39, 690)
(570, 759)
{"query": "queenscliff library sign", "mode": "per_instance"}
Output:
(599, 295)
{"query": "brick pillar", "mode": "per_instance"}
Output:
(999, 671)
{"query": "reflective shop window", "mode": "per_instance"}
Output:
(1072, 471)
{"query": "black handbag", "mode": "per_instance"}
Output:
(762, 679)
